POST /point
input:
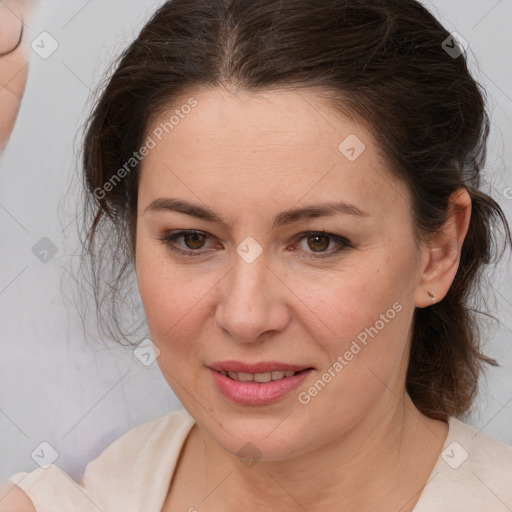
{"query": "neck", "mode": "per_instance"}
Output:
(372, 464)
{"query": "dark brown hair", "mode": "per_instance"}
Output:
(384, 61)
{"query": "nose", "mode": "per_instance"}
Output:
(252, 303)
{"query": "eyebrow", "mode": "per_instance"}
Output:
(286, 217)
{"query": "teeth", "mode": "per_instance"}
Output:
(263, 377)
(258, 377)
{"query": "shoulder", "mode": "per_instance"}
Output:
(145, 442)
(13, 499)
(471, 474)
(137, 467)
(137, 463)
(480, 453)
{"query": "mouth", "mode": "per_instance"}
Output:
(258, 383)
(264, 371)
(261, 377)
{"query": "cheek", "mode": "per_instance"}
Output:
(363, 341)
(175, 299)
(346, 302)
(363, 316)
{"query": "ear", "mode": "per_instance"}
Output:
(441, 256)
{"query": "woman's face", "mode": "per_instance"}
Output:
(258, 283)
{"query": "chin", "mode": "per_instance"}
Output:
(264, 438)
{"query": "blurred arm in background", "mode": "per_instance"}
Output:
(14, 54)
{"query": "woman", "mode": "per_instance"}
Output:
(296, 187)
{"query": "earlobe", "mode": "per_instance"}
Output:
(443, 252)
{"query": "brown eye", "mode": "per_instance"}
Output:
(318, 243)
(315, 245)
(187, 243)
(194, 240)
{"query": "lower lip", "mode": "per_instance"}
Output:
(257, 393)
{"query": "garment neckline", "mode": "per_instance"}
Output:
(453, 424)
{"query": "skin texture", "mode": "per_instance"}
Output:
(359, 444)
(13, 499)
(248, 157)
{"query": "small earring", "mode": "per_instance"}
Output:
(431, 295)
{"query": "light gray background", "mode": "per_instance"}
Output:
(80, 395)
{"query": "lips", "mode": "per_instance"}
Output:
(257, 383)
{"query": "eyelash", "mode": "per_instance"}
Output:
(169, 238)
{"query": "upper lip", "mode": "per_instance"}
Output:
(262, 367)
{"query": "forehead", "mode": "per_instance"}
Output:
(257, 145)
(249, 121)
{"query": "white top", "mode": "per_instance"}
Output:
(473, 473)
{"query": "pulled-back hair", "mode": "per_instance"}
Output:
(387, 62)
